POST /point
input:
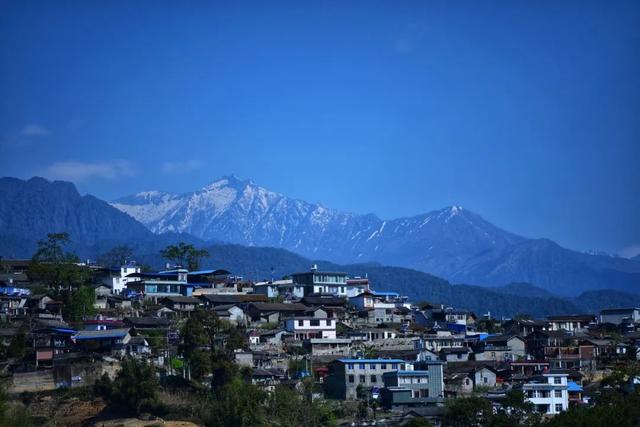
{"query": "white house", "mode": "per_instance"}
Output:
(120, 281)
(572, 323)
(548, 393)
(309, 327)
(231, 313)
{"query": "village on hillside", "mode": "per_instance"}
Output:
(354, 352)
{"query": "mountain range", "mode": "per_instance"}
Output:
(32, 208)
(453, 243)
(35, 207)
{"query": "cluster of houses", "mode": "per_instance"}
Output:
(354, 341)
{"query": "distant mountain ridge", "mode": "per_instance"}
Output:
(260, 263)
(32, 208)
(453, 242)
(35, 207)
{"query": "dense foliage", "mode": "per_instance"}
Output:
(134, 389)
(185, 255)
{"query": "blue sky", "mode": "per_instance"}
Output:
(525, 112)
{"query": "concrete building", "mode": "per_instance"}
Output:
(548, 392)
(321, 282)
(156, 286)
(119, 282)
(345, 375)
(310, 327)
(570, 323)
(618, 316)
(416, 387)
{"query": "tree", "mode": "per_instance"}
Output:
(418, 422)
(472, 411)
(81, 303)
(18, 346)
(489, 325)
(135, 387)
(201, 332)
(237, 405)
(11, 413)
(184, 255)
(52, 249)
(55, 268)
(516, 411)
(287, 407)
(117, 256)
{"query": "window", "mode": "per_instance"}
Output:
(349, 365)
(558, 407)
(362, 378)
(557, 380)
(416, 394)
(394, 366)
(424, 392)
(328, 322)
(485, 380)
(372, 366)
(374, 379)
(361, 366)
(558, 393)
(300, 322)
(383, 366)
(351, 379)
(315, 322)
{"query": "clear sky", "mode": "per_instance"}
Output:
(526, 112)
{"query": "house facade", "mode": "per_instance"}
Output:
(345, 375)
(304, 328)
(618, 316)
(412, 388)
(548, 393)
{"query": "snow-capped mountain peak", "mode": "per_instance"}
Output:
(239, 211)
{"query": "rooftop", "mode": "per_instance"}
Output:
(109, 333)
(371, 360)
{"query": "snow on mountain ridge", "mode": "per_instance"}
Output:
(239, 211)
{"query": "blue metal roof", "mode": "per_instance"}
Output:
(217, 271)
(65, 330)
(371, 360)
(573, 386)
(87, 335)
(414, 373)
(386, 293)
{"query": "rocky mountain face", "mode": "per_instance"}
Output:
(453, 242)
(30, 209)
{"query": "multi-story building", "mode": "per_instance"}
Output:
(548, 392)
(320, 282)
(618, 316)
(304, 328)
(572, 323)
(120, 281)
(163, 284)
(416, 387)
(500, 348)
(346, 375)
(440, 340)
